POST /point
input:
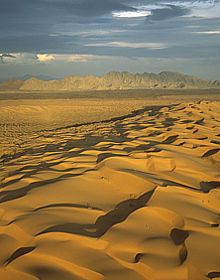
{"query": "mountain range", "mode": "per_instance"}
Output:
(111, 81)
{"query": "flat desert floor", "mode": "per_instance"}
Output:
(123, 196)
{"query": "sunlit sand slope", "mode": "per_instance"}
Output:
(134, 198)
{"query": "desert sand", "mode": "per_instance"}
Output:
(136, 197)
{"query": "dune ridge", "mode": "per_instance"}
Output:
(136, 197)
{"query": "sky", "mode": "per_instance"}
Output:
(56, 38)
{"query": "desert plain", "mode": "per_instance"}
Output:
(109, 188)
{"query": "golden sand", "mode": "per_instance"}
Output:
(134, 198)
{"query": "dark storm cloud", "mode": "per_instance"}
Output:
(169, 11)
(92, 8)
(41, 8)
(38, 43)
(39, 17)
(90, 27)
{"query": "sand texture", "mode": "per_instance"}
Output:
(134, 198)
(23, 120)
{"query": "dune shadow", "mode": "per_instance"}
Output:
(18, 253)
(104, 222)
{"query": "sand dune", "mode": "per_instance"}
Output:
(133, 198)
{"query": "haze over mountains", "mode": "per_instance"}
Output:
(111, 81)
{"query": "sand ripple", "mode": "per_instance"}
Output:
(137, 197)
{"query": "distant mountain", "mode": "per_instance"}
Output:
(11, 84)
(115, 81)
(27, 77)
(39, 77)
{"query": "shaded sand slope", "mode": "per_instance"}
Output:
(134, 198)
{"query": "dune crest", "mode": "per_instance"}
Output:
(133, 198)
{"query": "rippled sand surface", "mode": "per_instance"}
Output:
(136, 197)
(21, 120)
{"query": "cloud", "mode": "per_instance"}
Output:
(5, 57)
(65, 57)
(169, 11)
(214, 32)
(133, 45)
(80, 57)
(132, 14)
(163, 10)
(45, 57)
(81, 33)
(201, 9)
(17, 58)
(94, 8)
